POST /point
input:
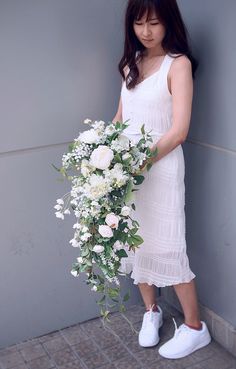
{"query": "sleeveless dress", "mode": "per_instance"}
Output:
(161, 259)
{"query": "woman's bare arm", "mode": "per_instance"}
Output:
(182, 94)
(118, 116)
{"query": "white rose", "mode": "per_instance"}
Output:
(90, 136)
(125, 211)
(118, 245)
(101, 157)
(80, 259)
(105, 230)
(98, 248)
(112, 220)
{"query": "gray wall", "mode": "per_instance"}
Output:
(58, 66)
(210, 155)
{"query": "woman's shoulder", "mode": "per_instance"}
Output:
(179, 59)
(179, 62)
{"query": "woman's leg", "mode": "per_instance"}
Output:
(148, 294)
(187, 295)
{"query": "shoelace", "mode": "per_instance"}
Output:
(181, 329)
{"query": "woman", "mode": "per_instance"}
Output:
(157, 71)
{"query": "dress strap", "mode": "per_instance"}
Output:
(165, 67)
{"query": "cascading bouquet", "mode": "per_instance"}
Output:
(106, 167)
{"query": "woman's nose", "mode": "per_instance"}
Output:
(146, 30)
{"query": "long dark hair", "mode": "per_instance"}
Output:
(174, 42)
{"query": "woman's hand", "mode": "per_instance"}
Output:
(148, 160)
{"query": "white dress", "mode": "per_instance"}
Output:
(161, 259)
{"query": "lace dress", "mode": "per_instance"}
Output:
(161, 259)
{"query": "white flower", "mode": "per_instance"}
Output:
(118, 245)
(59, 215)
(74, 273)
(89, 137)
(84, 229)
(117, 175)
(74, 243)
(67, 211)
(77, 226)
(94, 288)
(87, 121)
(80, 259)
(110, 129)
(112, 220)
(60, 201)
(58, 207)
(99, 125)
(86, 168)
(86, 236)
(125, 211)
(126, 156)
(98, 248)
(101, 157)
(120, 144)
(105, 231)
(97, 187)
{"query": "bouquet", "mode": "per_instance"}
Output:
(104, 167)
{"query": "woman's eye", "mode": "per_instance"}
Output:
(152, 24)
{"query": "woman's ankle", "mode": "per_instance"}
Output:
(153, 307)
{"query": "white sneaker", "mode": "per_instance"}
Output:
(185, 341)
(152, 321)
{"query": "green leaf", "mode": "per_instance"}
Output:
(142, 129)
(129, 196)
(127, 296)
(122, 253)
(102, 300)
(139, 179)
(122, 308)
(58, 169)
(137, 240)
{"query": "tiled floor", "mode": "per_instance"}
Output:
(89, 346)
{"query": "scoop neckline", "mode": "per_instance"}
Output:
(154, 73)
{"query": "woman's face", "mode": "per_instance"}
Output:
(149, 33)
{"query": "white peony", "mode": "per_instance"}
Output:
(89, 137)
(112, 220)
(125, 211)
(101, 157)
(98, 248)
(105, 230)
(97, 187)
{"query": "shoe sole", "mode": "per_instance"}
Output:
(157, 340)
(202, 344)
